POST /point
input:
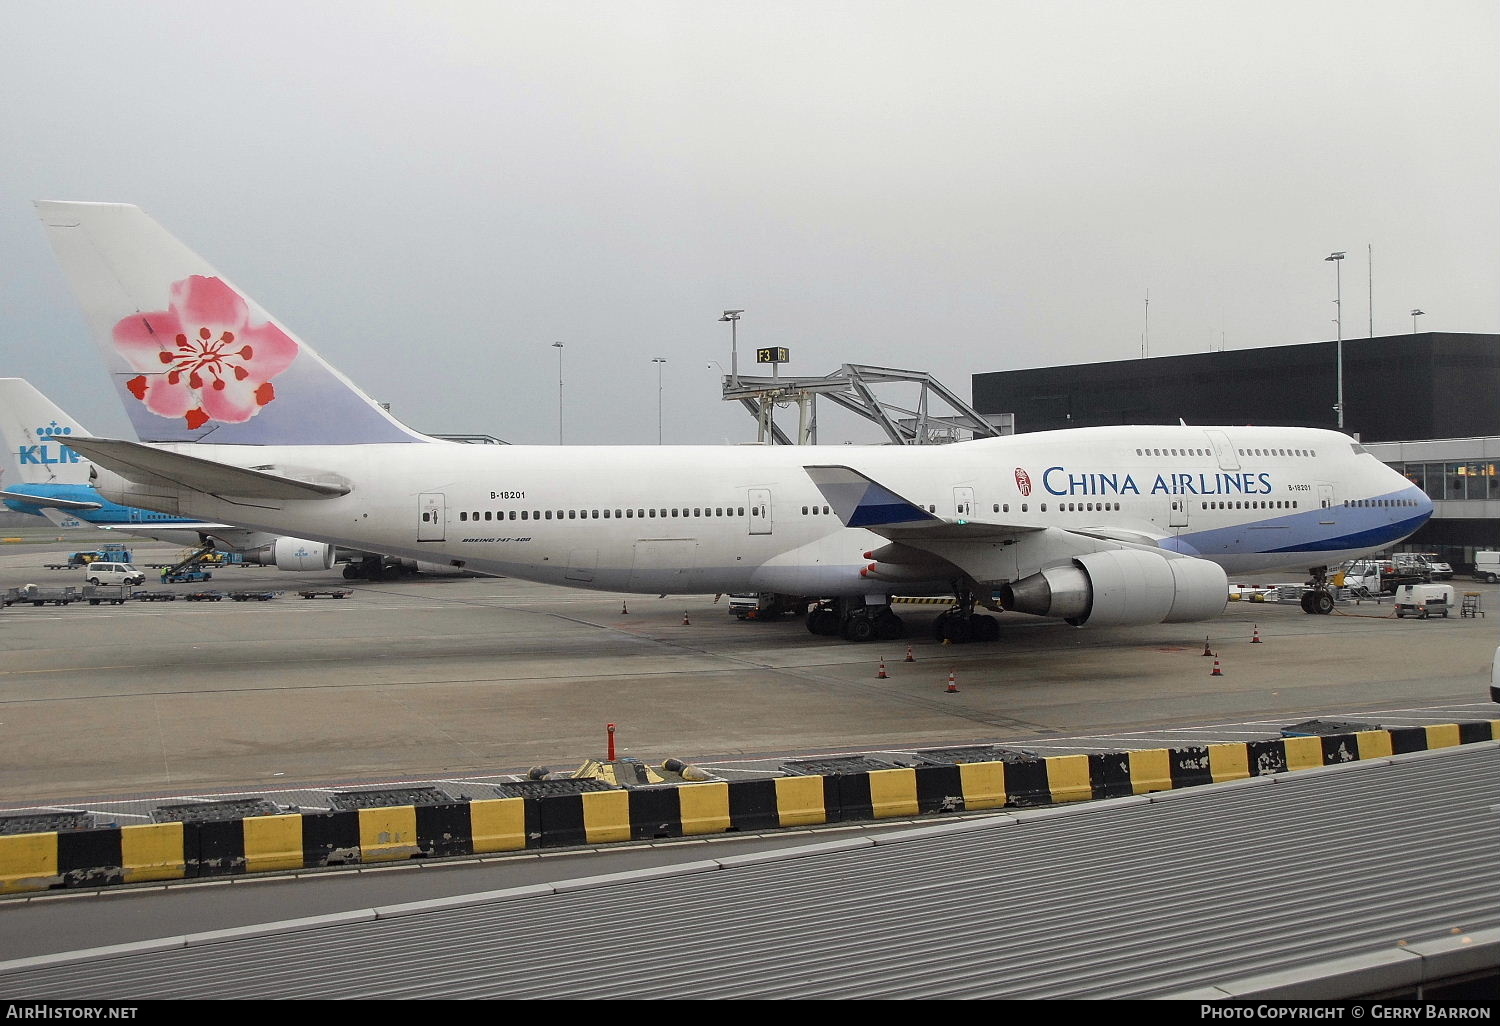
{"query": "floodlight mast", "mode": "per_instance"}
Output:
(733, 317)
(1338, 306)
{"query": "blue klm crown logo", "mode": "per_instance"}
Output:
(42, 455)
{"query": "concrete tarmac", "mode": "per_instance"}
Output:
(449, 678)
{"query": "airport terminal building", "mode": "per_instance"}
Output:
(1427, 404)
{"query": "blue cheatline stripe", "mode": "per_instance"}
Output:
(898, 512)
(1379, 535)
(1305, 526)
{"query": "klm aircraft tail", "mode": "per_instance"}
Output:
(192, 356)
(36, 434)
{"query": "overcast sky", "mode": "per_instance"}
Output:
(431, 194)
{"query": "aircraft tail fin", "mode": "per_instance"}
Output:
(36, 431)
(194, 358)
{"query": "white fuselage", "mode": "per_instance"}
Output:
(698, 519)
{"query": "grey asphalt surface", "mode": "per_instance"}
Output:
(463, 680)
(454, 679)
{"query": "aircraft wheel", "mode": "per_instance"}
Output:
(859, 628)
(1322, 603)
(889, 626)
(958, 629)
(823, 621)
(1307, 602)
(985, 628)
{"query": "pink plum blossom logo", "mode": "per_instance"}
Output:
(1023, 481)
(201, 358)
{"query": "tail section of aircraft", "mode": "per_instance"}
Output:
(192, 356)
(36, 432)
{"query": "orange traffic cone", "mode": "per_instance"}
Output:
(909, 657)
(685, 620)
(1255, 638)
(952, 684)
(881, 675)
(1217, 672)
(623, 610)
(1206, 650)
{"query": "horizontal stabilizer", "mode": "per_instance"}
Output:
(148, 465)
(49, 502)
(860, 502)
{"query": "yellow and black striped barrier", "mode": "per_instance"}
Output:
(101, 857)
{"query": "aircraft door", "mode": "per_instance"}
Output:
(759, 510)
(963, 502)
(1224, 450)
(1179, 513)
(1326, 502)
(430, 519)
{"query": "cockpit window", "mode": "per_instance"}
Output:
(1358, 448)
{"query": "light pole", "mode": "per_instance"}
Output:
(658, 360)
(733, 317)
(1338, 305)
(1414, 315)
(559, 347)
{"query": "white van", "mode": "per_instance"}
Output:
(1487, 566)
(114, 573)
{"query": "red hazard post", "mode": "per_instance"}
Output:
(610, 728)
(1217, 672)
(952, 684)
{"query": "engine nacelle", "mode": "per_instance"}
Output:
(1123, 586)
(299, 554)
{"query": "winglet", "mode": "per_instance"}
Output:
(860, 502)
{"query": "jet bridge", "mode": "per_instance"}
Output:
(936, 416)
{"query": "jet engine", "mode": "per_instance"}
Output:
(300, 554)
(1122, 586)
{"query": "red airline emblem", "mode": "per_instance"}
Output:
(1023, 481)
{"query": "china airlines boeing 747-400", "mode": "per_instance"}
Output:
(240, 421)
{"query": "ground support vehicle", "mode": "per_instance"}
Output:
(40, 596)
(337, 593)
(765, 605)
(107, 554)
(188, 576)
(253, 596)
(112, 594)
(204, 596)
(154, 596)
(1424, 600)
(1487, 567)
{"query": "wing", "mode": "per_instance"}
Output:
(49, 502)
(148, 465)
(923, 544)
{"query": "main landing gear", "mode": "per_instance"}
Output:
(854, 620)
(1318, 598)
(961, 624)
